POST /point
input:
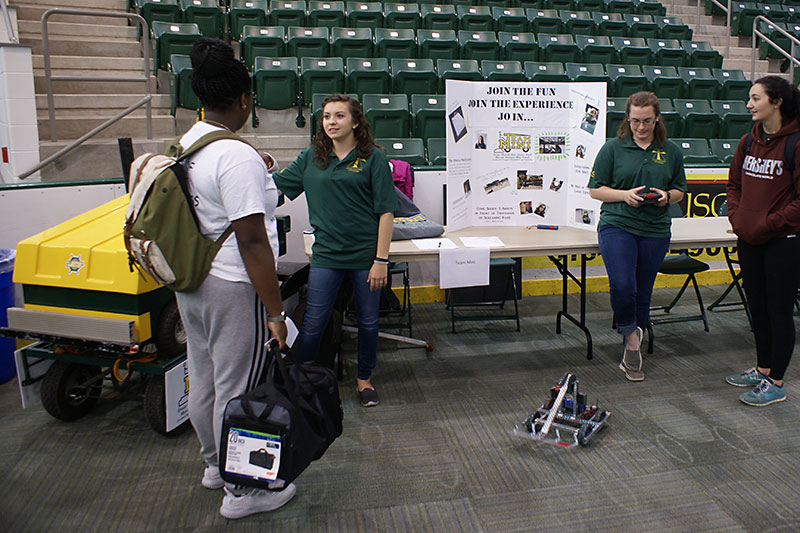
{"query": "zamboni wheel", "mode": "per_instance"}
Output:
(155, 408)
(170, 336)
(62, 395)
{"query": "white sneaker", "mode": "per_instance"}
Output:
(212, 478)
(255, 501)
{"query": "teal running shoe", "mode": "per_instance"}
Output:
(748, 378)
(765, 393)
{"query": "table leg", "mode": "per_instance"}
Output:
(562, 264)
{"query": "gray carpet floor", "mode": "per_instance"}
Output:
(680, 452)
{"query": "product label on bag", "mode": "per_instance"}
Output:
(253, 454)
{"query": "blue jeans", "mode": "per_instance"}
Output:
(323, 286)
(632, 263)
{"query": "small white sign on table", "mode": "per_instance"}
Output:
(463, 267)
(176, 389)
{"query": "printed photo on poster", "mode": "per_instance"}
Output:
(540, 210)
(589, 122)
(458, 124)
(525, 208)
(529, 181)
(552, 144)
(496, 185)
(555, 185)
(580, 151)
(584, 216)
(480, 142)
(467, 188)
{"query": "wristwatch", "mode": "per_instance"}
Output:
(669, 197)
(279, 318)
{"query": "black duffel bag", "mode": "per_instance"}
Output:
(294, 416)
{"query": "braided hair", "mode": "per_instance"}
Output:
(218, 79)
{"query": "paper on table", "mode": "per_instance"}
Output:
(434, 244)
(481, 242)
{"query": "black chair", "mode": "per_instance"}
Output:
(736, 278)
(679, 265)
(488, 297)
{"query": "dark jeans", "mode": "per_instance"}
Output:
(323, 286)
(771, 273)
(632, 263)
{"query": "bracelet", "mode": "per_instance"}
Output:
(669, 197)
(279, 318)
(381, 261)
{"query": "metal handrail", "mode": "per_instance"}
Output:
(50, 78)
(790, 56)
(12, 34)
(727, 10)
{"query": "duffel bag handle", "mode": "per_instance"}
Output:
(276, 359)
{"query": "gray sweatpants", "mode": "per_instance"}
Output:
(226, 328)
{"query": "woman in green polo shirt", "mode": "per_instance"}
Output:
(351, 202)
(636, 175)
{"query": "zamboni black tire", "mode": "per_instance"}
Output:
(170, 336)
(61, 395)
(155, 408)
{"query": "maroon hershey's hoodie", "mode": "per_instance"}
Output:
(763, 203)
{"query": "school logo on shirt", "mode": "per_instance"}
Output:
(357, 165)
(659, 156)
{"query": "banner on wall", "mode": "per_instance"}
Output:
(520, 153)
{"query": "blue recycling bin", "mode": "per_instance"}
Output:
(7, 368)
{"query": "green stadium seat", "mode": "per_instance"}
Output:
(619, 6)
(699, 82)
(287, 13)
(265, 41)
(664, 81)
(773, 33)
(724, 149)
(713, 9)
(243, 13)
(475, 18)
(368, 76)
(698, 118)
(592, 6)
(437, 151)
(412, 151)
(276, 81)
(439, 17)
(671, 119)
(735, 86)
(641, 26)
(702, 54)
(615, 115)
(351, 42)
(673, 28)
(497, 3)
(387, 114)
(696, 151)
(180, 84)
(464, 2)
(545, 71)
(437, 44)
(649, 7)
(401, 16)
(365, 15)
(577, 23)
(457, 69)
(413, 76)
(427, 115)
(391, 43)
(668, 52)
(530, 4)
(566, 5)
(518, 46)
(632, 50)
(173, 38)
(307, 42)
(206, 14)
(328, 14)
(559, 47)
(735, 119)
(160, 10)
(502, 70)
(511, 19)
(742, 16)
(610, 24)
(666, 103)
(626, 79)
(596, 49)
(586, 72)
(478, 45)
(321, 75)
(543, 21)
(775, 12)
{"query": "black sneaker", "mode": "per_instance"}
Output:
(368, 397)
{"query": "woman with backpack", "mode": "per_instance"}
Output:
(764, 212)
(351, 203)
(238, 307)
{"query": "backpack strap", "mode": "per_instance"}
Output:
(216, 135)
(748, 142)
(791, 147)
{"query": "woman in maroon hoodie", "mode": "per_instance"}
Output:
(764, 211)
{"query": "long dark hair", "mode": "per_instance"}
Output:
(323, 144)
(778, 88)
(643, 99)
(218, 79)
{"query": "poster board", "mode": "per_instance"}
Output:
(520, 153)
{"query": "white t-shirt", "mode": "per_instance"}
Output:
(228, 180)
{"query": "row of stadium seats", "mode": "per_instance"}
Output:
(743, 13)
(773, 33)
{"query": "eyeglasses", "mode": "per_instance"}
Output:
(635, 122)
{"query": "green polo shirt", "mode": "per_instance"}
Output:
(622, 164)
(345, 202)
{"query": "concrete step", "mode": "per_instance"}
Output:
(78, 46)
(90, 63)
(100, 103)
(32, 29)
(130, 126)
(34, 12)
(97, 87)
